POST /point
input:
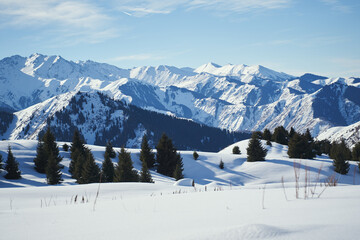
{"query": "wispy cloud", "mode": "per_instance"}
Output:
(141, 8)
(69, 17)
(337, 5)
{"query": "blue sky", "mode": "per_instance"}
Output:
(293, 36)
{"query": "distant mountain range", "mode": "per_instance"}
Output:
(231, 97)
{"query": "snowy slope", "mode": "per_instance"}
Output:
(253, 206)
(351, 134)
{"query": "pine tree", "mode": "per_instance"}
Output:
(255, 151)
(221, 164)
(166, 156)
(145, 175)
(107, 169)
(12, 166)
(124, 171)
(50, 146)
(146, 153)
(308, 136)
(356, 152)
(91, 171)
(236, 150)
(79, 161)
(1, 162)
(267, 134)
(53, 173)
(195, 155)
(280, 135)
(292, 132)
(41, 158)
(110, 150)
(77, 151)
(340, 154)
(178, 172)
(301, 147)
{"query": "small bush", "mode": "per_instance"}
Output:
(195, 155)
(221, 164)
(65, 147)
(236, 150)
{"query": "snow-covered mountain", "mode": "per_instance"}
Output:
(100, 118)
(351, 134)
(232, 97)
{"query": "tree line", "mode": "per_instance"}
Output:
(84, 169)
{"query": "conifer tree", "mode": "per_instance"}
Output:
(221, 164)
(340, 154)
(280, 135)
(178, 172)
(236, 150)
(124, 171)
(110, 150)
(145, 175)
(12, 166)
(146, 153)
(166, 156)
(77, 151)
(292, 132)
(356, 152)
(300, 147)
(308, 136)
(91, 171)
(79, 161)
(40, 159)
(50, 145)
(1, 162)
(53, 173)
(195, 155)
(255, 151)
(267, 134)
(107, 169)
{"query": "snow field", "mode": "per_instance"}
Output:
(242, 201)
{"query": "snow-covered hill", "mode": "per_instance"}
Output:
(232, 97)
(242, 201)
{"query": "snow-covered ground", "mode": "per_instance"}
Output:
(242, 201)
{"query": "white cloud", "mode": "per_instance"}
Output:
(141, 8)
(68, 17)
(337, 5)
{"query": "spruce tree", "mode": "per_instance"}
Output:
(124, 171)
(91, 171)
(145, 175)
(12, 166)
(110, 150)
(1, 162)
(53, 173)
(65, 147)
(195, 155)
(301, 147)
(107, 169)
(356, 152)
(292, 132)
(77, 151)
(178, 172)
(50, 145)
(236, 150)
(221, 164)
(280, 135)
(267, 134)
(79, 161)
(255, 150)
(146, 153)
(340, 154)
(166, 156)
(41, 158)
